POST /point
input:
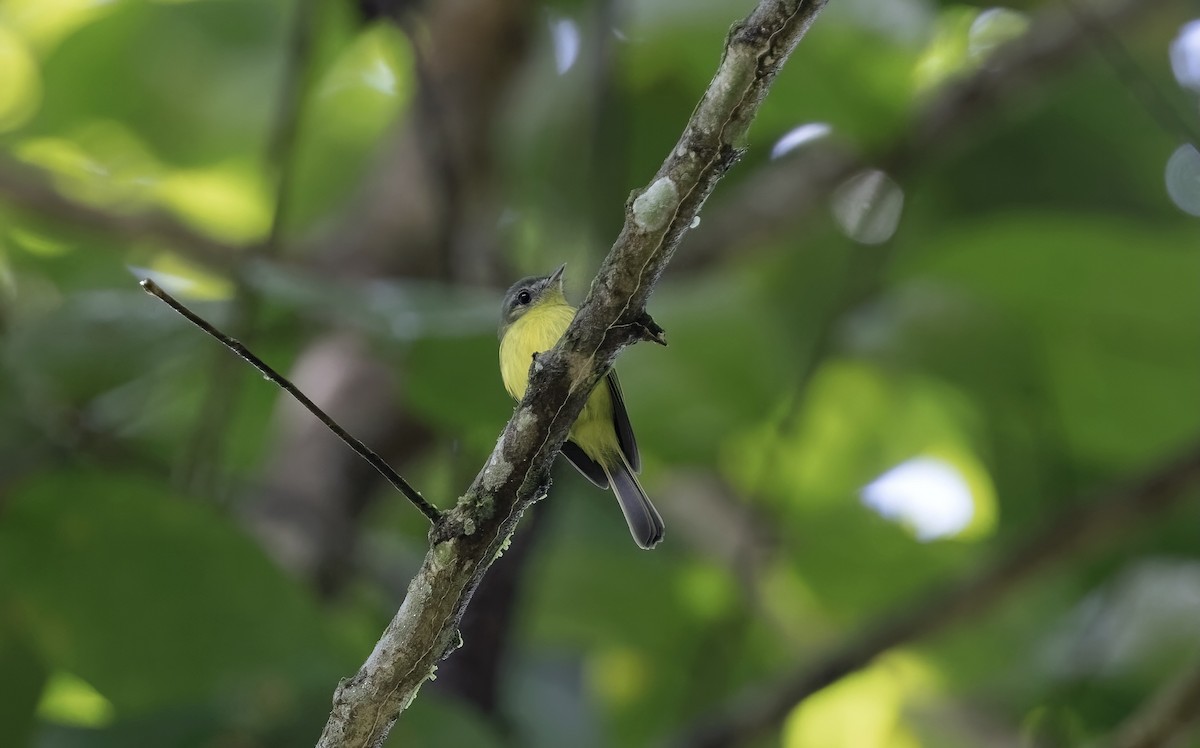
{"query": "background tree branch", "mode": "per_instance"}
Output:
(781, 195)
(1083, 524)
(517, 473)
(1167, 715)
(30, 189)
(201, 469)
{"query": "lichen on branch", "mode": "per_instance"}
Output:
(470, 536)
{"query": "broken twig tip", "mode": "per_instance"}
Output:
(650, 330)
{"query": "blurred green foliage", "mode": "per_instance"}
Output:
(1034, 328)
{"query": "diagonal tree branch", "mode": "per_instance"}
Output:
(775, 200)
(418, 214)
(29, 189)
(781, 195)
(363, 451)
(470, 536)
(1083, 524)
(1166, 715)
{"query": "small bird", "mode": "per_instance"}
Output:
(600, 445)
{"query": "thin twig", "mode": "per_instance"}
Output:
(429, 510)
(470, 52)
(467, 541)
(220, 399)
(1154, 102)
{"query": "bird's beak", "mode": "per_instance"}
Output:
(556, 276)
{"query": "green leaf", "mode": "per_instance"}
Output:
(151, 599)
(455, 382)
(1111, 307)
(724, 369)
(438, 721)
(22, 678)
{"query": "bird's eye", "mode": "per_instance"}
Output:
(523, 297)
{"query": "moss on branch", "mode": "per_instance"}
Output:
(469, 537)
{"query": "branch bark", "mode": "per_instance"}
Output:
(474, 674)
(471, 535)
(1082, 524)
(415, 216)
(1168, 714)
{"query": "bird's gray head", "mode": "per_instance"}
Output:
(528, 293)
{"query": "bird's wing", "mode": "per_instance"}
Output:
(621, 421)
(584, 464)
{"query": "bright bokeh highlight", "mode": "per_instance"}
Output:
(867, 207)
(20, 81)
(1185, 55)
(186, 279)
(229, 201)
(864, 710)
(565, 34)
(798, 136)
(44, 23)
(1182, 178)
(363, 89)
(925, 494)
(992, 29)
(70, 700)
(962, 40)
(103, 163)
(945, 56)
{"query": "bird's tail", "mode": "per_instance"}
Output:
(645, 523)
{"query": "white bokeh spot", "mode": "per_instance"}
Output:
(799, 136)
(1185, 55)
(565, 34)
(1182, 177)
(929, 495)
(867, 206)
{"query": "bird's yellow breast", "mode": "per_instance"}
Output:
(538, 330)
(535, 331)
